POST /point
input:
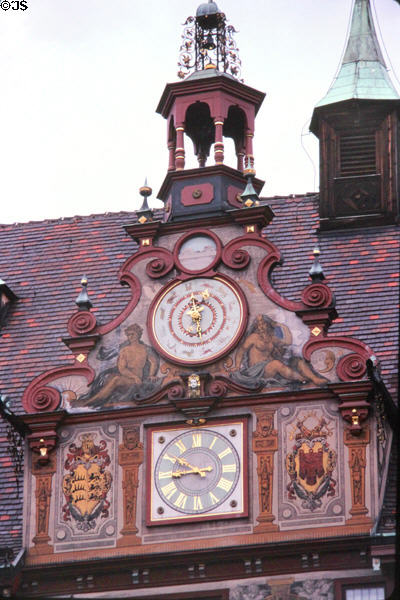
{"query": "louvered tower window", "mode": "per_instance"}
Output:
(357, 155)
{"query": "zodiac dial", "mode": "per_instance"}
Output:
(197, 320)
(197, 472)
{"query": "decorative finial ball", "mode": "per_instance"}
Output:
(145, 191)
(316, 251)
(84, 280)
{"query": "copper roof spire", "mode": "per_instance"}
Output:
(362, 74)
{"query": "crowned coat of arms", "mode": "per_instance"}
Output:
(87, 483)
(311, 463)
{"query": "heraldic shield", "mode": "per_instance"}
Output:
(87, 484)
(311, 463)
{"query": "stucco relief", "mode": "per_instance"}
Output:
(86, 488)
(308, 589)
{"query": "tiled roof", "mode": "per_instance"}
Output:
(361, 267)
(42, 263)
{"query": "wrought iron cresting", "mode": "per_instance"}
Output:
(208, 43)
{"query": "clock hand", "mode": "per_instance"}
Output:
(195, 312)
(199, 471)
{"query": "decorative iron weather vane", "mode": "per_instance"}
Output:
(208, 43)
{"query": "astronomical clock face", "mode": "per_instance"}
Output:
(197, 473)
(197, 320)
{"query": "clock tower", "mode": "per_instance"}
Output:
(209, 427)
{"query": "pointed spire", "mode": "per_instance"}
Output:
(362, 74)
(316, 273)
(83, 301)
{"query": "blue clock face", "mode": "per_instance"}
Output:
(197, 472)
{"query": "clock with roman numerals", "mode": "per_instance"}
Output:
(197, 473)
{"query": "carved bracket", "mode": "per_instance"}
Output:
(43, 435)
(354, 405)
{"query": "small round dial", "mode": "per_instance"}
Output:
(197, 472)
(197, 320)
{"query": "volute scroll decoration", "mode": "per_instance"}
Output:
(317, 295)
(352, 367)
(45, 399)
(41, 397)
(236, 257)
(81, 323)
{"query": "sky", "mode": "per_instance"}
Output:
(81, 79)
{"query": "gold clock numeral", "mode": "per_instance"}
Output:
(213, 442)
(169, 490)
(213, 499)
(197, 505)
(225, 452)
(181, 500)
(180, 445)
(165, 474)
(196, 440)
(229, 468)
(224, 484)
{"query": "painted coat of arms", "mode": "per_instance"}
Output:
(87, 483)
(311, 463)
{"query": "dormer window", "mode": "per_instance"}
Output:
(7, 299)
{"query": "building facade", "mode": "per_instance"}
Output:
(221, 426)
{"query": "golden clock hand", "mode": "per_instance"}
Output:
(197, 470)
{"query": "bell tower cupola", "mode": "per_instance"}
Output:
(208, 105)
(357, 124)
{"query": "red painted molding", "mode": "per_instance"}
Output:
(209, 269)
(317, 295)
(351, 367)
(81, 323)
(200, 193)
(161, 264)
(40, 397)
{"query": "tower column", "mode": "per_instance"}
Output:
(180, 148)
(240, 159)
(171, 155)
(219, 143)
(249, 148)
